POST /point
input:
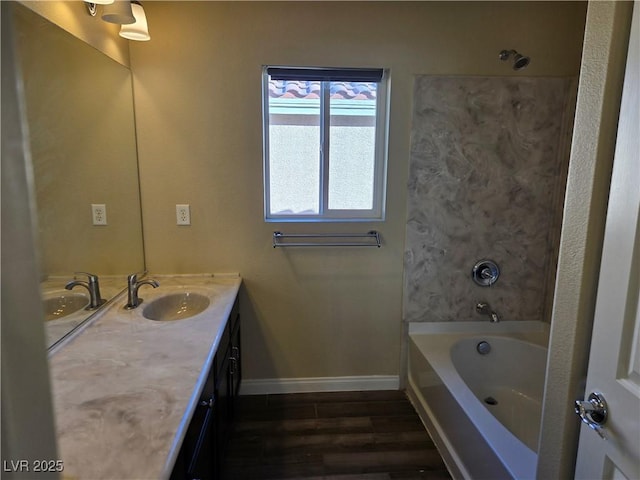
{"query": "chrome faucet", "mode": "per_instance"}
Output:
(484, 308)
(95, 300)
(132, 290)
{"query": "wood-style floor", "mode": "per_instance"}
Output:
(332, 436)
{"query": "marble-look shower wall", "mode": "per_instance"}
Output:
(487, 176)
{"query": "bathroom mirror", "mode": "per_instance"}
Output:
(79, 105)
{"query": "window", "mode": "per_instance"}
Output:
(325, 151)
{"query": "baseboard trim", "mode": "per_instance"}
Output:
(319, 384)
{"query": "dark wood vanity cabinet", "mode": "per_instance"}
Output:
(205, 443)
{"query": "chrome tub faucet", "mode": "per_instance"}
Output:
(132, 290)
(483, 308)
(95, 300)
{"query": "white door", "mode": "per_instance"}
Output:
(614, 362)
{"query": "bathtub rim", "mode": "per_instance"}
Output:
(485, 327)
(533, 332)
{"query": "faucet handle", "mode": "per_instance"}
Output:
(92, 277)
(485, 273)
(133, 278)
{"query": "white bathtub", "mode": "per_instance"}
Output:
(482, 410)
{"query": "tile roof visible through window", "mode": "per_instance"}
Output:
(311, 90)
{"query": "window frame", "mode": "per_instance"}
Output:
(325, 214)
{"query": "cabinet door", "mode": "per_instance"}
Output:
(196, 459)
(223, 399)
(235, 361)
(203, 460)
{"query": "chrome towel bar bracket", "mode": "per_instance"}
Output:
(369, 239)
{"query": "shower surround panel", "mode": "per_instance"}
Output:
(487, 175)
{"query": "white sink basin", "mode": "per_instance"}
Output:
(60, 305)
(175, 306)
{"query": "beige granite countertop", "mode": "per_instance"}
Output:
(125, 388)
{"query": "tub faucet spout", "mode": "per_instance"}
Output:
(483, 308)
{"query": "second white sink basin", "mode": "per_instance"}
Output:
(60, 305)
(175, 306)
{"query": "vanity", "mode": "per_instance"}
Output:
(149, 392)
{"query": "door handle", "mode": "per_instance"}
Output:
(593, 412)
(235, 355)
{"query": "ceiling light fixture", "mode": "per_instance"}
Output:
(129, 14)
(139, 30)
(118, 12)
(92, 7)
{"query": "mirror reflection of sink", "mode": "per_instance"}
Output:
(63, 304)
(175, 306)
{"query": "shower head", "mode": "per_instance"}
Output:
(519, 61)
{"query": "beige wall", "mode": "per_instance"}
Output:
(315, 312)
(73, 17)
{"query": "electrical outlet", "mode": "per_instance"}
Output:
(99, 213)
(183, 215)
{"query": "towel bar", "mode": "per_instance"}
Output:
(370, 239)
